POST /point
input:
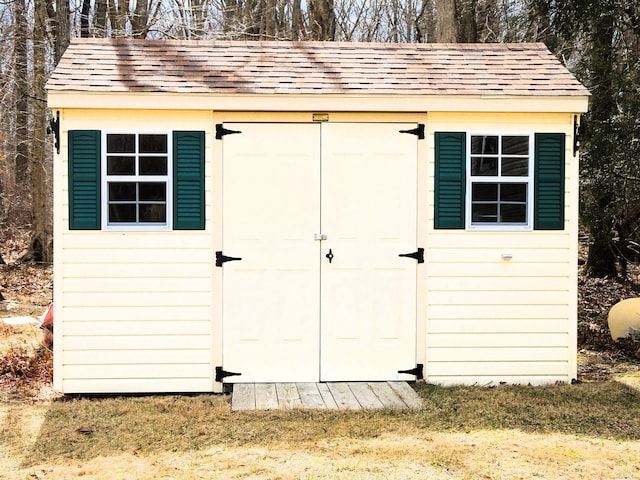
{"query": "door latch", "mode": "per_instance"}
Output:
(319, 236)
(329, 255)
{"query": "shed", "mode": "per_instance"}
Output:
(308, 212)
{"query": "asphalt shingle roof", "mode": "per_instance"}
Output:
(222, 67)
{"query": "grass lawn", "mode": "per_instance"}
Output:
(586, 431)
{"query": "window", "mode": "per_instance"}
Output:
(137, 180)
(177, 164)
(499, 181)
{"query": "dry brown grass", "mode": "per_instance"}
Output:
(588, 431)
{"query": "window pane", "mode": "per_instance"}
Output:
(121, 165)
(122, 212)
(484, 213)
(153, 192)
(515, 167)
(153, 213)
(510, 213)
(513, 192)
(484, 144)
(484, 166)
(484, 192)
(121, 143)
(515, 145)
(122, 191)
(153, 143)
(153, 165)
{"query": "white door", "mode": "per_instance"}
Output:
(368, 300)
(289, 313)
(271, 210)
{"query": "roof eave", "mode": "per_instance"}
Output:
(574, 102)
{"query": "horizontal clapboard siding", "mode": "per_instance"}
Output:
(137, 312)
(493, 320)
(181, 383)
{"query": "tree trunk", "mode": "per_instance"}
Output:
(270, 19)
(117, 17)
(140, 19)
(296, 20)
(41, 231)
(425, 26)
(600, 211)
(542, 31)
(63, 33)
(84, 19)
(467, 26)
(100, 18)
(20, 203)
(323, 20)
(446, 21)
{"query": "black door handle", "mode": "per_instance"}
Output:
(329, 255)
(220, 259)
(418, 255)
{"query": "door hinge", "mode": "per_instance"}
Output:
(220, 259)
(418, 131)
(221, 131)
(418, 371)
(417, 255)
(222, 374)
(54, 128)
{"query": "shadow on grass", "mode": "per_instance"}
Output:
(84, 428)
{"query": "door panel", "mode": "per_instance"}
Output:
(290, 315)
(271, 195)
(368, 213)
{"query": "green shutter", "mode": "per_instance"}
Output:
(188, 180)
(84, 180)
(451, 154)
(549, 181)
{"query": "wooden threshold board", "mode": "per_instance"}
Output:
(333, 395)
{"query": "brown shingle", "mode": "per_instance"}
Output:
(122, 65)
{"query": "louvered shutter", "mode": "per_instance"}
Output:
(450, 168)
(188, 181)
(549, 181)
(84, 179)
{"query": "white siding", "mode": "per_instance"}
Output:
(133, 309)
(490, 319)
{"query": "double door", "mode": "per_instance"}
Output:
(316, 218)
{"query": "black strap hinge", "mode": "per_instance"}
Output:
(220, 259)
(417, 255)
(222, 374)
(418, 131)
(418, 371)
(579, 132)
(221, 131)
(54, 128)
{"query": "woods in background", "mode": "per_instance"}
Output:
(598, 41)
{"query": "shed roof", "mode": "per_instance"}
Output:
(245, 67)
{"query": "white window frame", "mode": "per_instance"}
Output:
(500, 179)
(105, 179)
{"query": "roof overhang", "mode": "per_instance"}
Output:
(58, 99)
